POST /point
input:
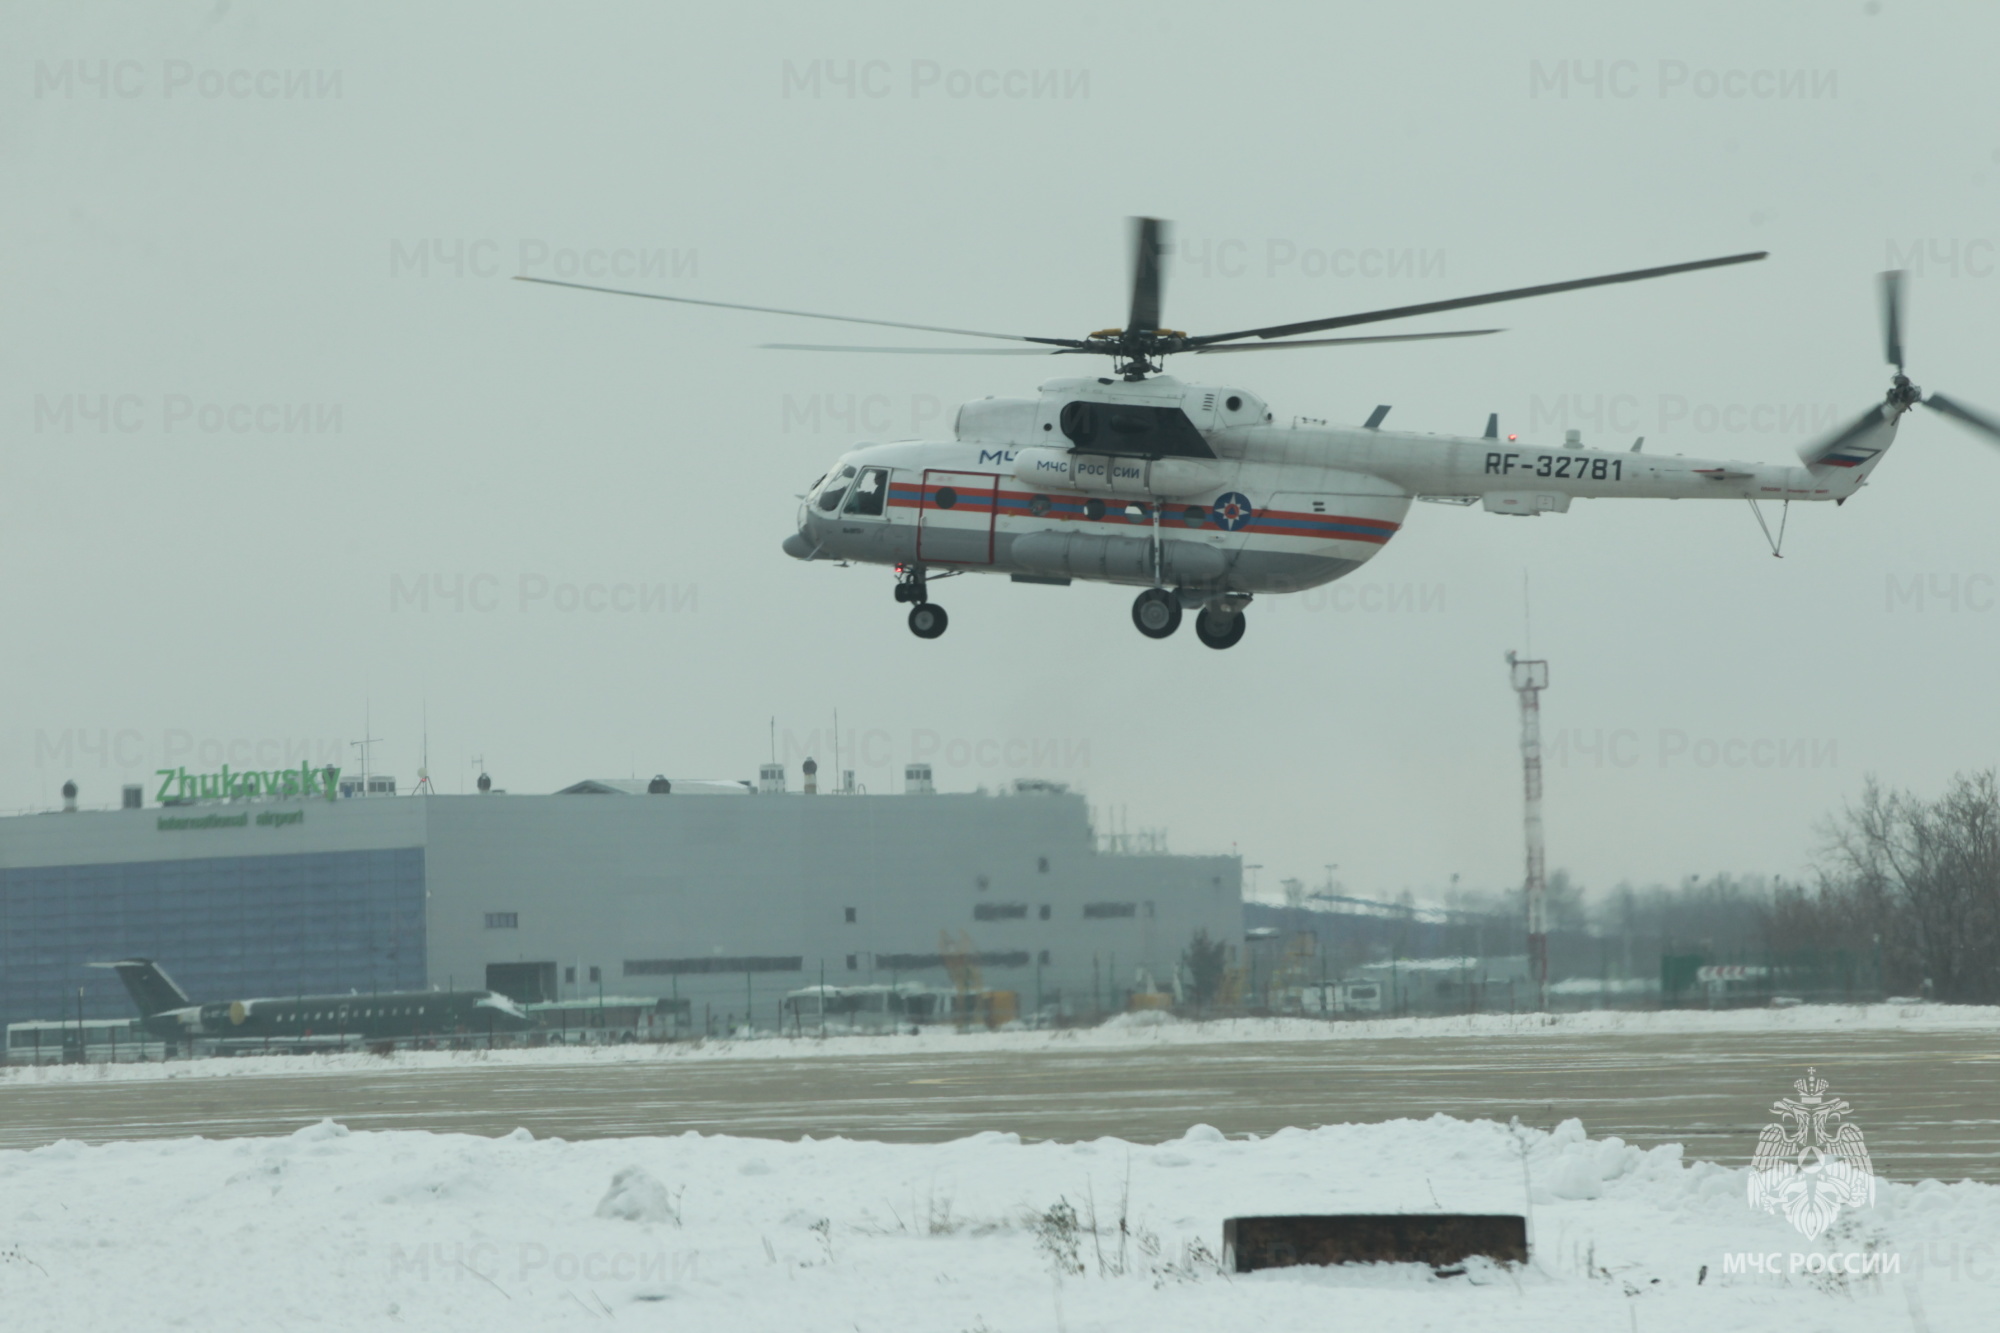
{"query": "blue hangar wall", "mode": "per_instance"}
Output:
(324, 906)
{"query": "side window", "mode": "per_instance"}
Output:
(829, 499)
(870, 492)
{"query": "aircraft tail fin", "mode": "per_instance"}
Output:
(152, 990)
(1855, 448)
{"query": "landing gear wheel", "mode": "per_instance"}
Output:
(1219, 629)
(1157, 613)
(928, 620)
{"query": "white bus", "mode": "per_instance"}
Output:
(858, 1008)
(1341, 997)
(57, 1041)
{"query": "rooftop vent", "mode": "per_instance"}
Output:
(135, 796)
(811, 769)
(69, 797)
(659, 786)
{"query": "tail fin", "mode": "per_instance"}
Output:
(152, 990)
(1856, 447)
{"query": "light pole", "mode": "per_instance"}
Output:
(1530, 678)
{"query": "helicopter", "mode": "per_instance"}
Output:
(1197, 495)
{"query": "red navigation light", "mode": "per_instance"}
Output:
(1512, 438)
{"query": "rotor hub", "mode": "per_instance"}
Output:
(1137, 353)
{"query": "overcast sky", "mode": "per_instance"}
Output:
(288, 461)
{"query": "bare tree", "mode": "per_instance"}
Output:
(1927, 875)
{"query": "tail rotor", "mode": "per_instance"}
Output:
(1862, 442)
(1902, 393)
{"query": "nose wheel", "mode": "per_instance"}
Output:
(1157, 613)
(927, 621)
(1219, 628)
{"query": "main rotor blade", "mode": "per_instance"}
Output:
(1149, 240)
(806, 314)
(916, 351)
(1340, 342)
(1979, 421)
(1892, 318)
(1516, 294)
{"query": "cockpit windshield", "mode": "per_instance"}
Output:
(836, 487)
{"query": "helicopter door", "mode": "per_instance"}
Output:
(955, 517)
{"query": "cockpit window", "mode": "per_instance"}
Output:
(829, 498)
(870, 492)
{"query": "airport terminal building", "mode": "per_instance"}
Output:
(723, 895)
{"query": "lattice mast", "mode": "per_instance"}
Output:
(1530, 678)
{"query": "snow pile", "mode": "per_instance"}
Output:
(453, 1232)
(637, 1197)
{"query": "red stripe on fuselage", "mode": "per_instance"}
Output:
(1265, 522)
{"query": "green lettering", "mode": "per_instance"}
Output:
(167, 776)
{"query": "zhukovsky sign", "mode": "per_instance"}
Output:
(177, 784)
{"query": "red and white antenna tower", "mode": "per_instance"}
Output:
(1530, 679)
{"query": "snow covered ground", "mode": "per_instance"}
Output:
(331, 1229)
(1121, 1033)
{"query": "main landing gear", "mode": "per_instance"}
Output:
(1219, 625)
(927, 621)
(1157, 613)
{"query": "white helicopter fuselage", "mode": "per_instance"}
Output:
(1271, 509)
